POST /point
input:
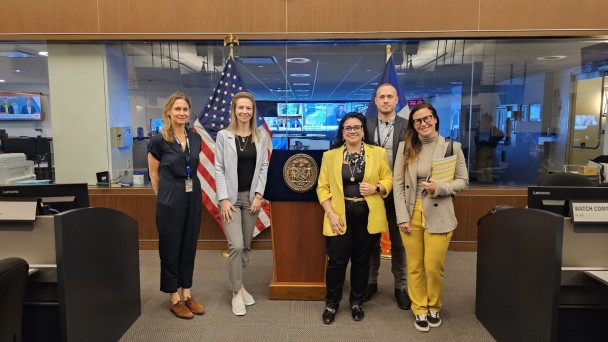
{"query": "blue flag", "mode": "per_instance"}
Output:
(388, 76)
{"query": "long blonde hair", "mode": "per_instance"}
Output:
(252, 123)
(168, 133)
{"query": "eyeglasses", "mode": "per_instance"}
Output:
(353, 128)
(427, 119)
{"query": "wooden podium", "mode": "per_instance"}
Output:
(298, 244)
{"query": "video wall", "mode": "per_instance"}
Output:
(307, 116)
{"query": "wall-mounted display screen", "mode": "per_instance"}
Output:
(20, 107)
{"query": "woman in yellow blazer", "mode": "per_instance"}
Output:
(354, 179)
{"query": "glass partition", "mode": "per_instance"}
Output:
(520, 107)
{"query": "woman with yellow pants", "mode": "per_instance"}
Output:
(425, 210)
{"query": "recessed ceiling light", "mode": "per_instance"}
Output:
(2, 81)
(43, 53)
(302, 90)
(374, 83)
(299, 75)
(550, 58)
(368, 70)
(297, 60)
(301, 84)
(256, 60)
(15, 70)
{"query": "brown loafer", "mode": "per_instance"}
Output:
(194, 307)
(181, 310)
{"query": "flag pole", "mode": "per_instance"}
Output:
(230, 40)
(385, 240)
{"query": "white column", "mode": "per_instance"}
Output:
(80, 121)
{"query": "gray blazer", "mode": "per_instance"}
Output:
(226, 160)
(438, 210)
(398, 133)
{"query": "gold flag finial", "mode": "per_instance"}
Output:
(231, 40)
(388, 51)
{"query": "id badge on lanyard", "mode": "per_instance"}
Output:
(188, 183)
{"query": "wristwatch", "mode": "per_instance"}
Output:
(377, 189)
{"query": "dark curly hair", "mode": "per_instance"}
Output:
(339, 141)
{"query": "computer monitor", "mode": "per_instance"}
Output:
(25, 145)
(156, 126)
(56, 197)
(556, 199)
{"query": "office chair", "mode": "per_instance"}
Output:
(13, 282)
(565, 179)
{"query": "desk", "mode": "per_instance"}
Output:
(601, 276)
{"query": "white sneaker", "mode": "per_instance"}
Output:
(238, 306)
(247, 298)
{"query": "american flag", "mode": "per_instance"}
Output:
(214, 117)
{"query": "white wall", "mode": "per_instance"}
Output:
(79, 101)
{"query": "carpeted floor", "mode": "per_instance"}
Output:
(272, 320)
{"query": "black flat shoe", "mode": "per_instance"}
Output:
(358, 313)
(370, 290)
(403, 299)
(329, 315)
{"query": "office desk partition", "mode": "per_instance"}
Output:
(86, 287)
(531, 281)
(298, 245)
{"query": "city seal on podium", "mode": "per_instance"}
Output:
(300, 172)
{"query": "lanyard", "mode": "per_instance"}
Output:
(390, 131)
(187, 153)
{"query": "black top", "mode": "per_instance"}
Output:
(351, 188)
(245, 150)
(173, 162)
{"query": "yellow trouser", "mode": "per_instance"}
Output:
(425, 255)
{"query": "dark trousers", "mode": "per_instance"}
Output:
(355, 245)
(398, 265)
(178, 226)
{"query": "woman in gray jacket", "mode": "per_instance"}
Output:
(425, 209)
(241, 165)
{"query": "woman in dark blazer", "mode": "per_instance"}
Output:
(425, 210)
(173, 157)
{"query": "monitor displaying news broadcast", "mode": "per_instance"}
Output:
(20, 107)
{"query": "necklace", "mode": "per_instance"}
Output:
(352, 172)
(245, 140)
